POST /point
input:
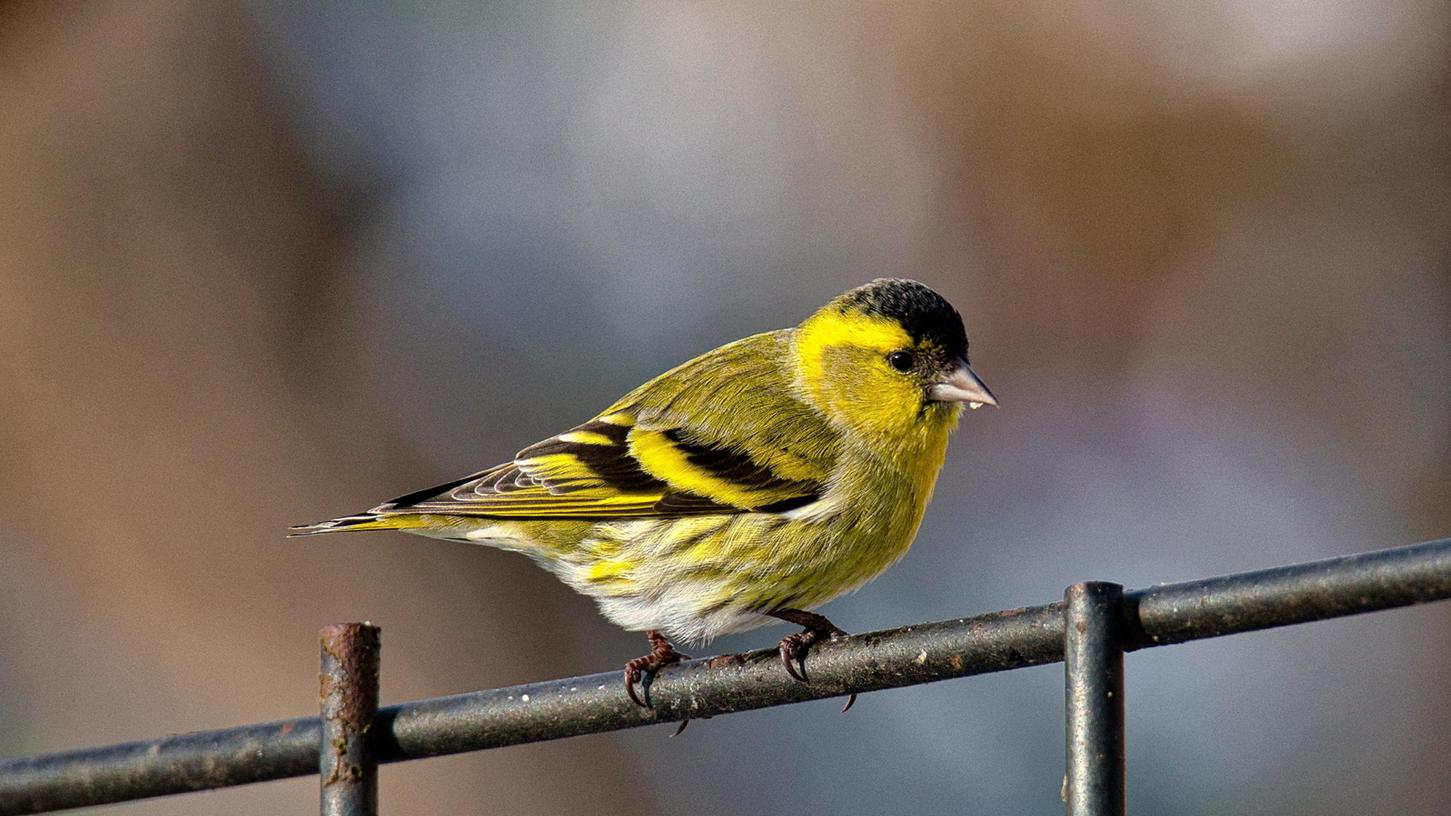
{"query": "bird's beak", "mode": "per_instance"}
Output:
(960, 384)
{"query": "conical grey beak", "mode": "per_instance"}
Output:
(960, 384)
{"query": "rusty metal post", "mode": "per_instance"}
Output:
(1093, 657)
(347, 765)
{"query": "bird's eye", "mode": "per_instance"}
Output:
(901, 360)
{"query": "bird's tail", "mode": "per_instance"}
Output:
(359, 523)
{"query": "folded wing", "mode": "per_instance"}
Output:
(723, 433)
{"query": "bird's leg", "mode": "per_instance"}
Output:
(794, 648)
(642, 669)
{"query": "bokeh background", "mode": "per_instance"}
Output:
(265, 263)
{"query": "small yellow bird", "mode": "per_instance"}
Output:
(756, 481)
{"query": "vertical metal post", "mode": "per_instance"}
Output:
(1093, 658)
(347, 765)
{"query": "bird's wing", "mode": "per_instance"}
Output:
(723, 433)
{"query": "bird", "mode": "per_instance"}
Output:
(750, 484)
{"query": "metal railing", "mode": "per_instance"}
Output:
(1089, 631)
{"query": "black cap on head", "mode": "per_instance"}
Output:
(925, 314)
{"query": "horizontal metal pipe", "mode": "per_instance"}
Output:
(1161, 615)
(1300, 593)
(175, 764)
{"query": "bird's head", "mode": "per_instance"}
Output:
(887, 358)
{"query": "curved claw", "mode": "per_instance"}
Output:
(683, 723)
(642, 669)
(632, 676)
(790, 656)
(794, 648)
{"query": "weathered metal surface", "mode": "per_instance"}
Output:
(347, 766)
(1000, 641)
(1094, 692)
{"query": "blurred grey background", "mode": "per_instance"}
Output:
(266, 263)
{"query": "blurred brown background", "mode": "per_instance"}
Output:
(263, 264)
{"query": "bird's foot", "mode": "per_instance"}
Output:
(642, 670)
(794, 648)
